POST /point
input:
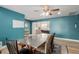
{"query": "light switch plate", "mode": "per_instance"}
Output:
(0, 43)
(75, 26)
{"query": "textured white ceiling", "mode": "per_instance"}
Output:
(32, 12)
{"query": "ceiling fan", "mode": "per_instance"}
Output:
(49, 11)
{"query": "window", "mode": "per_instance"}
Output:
(18, 24)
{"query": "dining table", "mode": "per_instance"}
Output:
(35, 40)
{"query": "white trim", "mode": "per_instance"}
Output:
(66, 39)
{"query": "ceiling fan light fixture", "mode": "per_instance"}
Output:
(42, 14)
(59, 13)
(45, 14)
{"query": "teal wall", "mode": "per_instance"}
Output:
(30, 27)
(6, 29)
(64, 27)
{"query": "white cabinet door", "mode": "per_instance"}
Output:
(45, 25)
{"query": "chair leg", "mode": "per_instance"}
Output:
(0, 52)
(67, 49)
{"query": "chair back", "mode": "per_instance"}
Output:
(12, 46)
(49, 46)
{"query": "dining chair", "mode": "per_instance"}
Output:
(12, 46)
(49, 45)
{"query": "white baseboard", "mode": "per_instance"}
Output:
(66, 39)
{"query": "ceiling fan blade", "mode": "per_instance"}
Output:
(50, 14)
(55, 9)
(36, 10)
